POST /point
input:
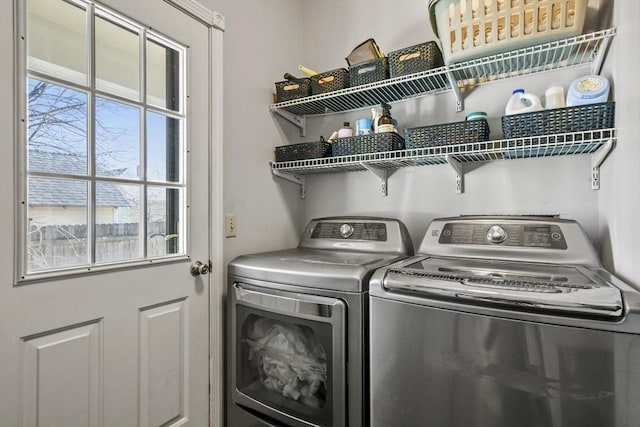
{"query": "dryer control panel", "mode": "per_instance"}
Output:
(375, 231)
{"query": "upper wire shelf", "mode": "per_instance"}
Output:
(581, 50)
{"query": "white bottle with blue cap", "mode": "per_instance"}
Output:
(588, 90)
(521, 102)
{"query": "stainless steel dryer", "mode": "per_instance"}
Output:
(297, 341)
(502, 322)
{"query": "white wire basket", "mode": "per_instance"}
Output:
(470, 29)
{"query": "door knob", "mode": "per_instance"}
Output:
(198, 268)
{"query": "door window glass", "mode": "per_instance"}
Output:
(118, 222)
(163, 147)
(57, 218)
(57, 135)
(163, 76)
(57, 39)
(117, 52)
(103, 140)
(163, 220)
(118, 140)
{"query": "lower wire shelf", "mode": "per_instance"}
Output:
(598, 143)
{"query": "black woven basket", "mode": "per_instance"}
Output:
(371, 71)
(371, 143)
(446, 134)
(306, 150)
(329, 81)
(293, 89)
(410, 60)
(559, 120)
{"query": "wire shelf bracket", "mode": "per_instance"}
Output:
(458, 168)
(456, 91)
(598, 60)
(381, 173)
(597, 158)
(291, 177)
(296, 120)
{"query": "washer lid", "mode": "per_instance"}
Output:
(523, 286)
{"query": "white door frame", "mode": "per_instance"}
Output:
(216, 24)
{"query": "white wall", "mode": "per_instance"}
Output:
(261, 41)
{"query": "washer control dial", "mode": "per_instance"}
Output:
(346, 230)
(496, 234)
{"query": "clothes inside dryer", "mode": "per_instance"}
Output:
(288, 358)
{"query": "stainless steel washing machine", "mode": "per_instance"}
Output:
(297, 325)
(502, 322)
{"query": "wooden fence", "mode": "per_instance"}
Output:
(54, 246)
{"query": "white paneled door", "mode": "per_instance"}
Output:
(124, 339)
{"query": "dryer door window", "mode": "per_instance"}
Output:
(291, 364)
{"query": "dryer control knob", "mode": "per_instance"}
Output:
(346, 230)
(496, 234)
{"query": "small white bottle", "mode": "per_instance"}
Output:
(554, 97)
(376, 112)
(345, 131)
(521, 102)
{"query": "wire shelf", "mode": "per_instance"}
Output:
(580, 50)
(404, 87)
(564, 53)
(517, 148)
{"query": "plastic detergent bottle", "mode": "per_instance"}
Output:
(588, 90)
(521, 102)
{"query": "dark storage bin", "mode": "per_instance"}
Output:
(293, 89)
(557, 145)
(369, 71)
(410, 60)
(305, 150)
(371, 143)
(559, 120)
(468, 131)
(329, 81)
